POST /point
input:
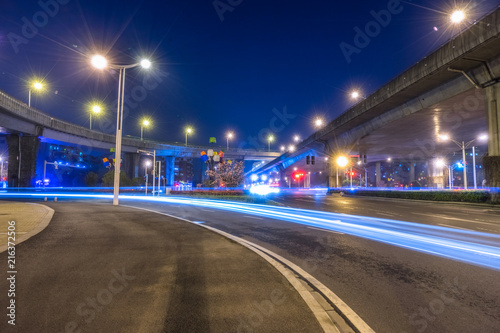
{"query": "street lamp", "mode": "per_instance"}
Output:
(341, 162)
(148, 163)
(464, 145)
(291, 148)
(96, 109)
(441, 163)
(189, 130)
(1, 172)
(457, 16)
(355, 94)
(318, 122)
(270, 139)
(229, 136)
(296, 138)
(38, 86)
(99, 62)
(144, 123)
(282, 148)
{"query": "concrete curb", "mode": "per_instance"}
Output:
(320, 300)
(44, 222)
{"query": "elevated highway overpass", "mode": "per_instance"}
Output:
(26, 127)
(453, 90)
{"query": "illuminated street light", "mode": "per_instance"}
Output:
(270, 139)
(296, 138)
(355, 94)
(144, 123)
(318, 122)
(229, 136)
(441, 163)
(147, 164)
(457, 16)
(189, 130)
(282, 148)
(291, 148)
(99, 62)
(96, 109)
(389, 159)
(464, 145)
(37, 86)
(342, 162)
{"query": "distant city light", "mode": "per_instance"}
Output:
(254, 178)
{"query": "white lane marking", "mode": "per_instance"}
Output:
(333, 232)
(452, 218)
(253, 217)
(206, 210)
(452, 226)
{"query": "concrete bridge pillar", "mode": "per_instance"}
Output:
(378, 174)
(23, 151)
(170, 170)
(131, 164)
(283, 182)
(412, 172)
(492, 161)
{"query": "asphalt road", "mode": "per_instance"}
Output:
(393, 289)
(99, 268)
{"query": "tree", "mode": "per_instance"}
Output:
(91, 179)
(227, 174)
(109, 178)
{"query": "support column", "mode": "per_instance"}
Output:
(131, 164)
(378, 174)
(412, 172)
(22, 159)
(283, 183)
(169, 170)
(492, 161)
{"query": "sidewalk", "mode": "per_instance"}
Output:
(29, 219)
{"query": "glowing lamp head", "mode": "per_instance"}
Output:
(318, 122)
(145, 63)
(96, 109)
(439, 163)
(282, 148)
(230, 135)
(342, 161)
(148, 163)
(457, 16)
(270, 138)
(254, 178)
(444, 137)
(38, 85)
(146, 122)
(99, 62)
(483, 137)
(296, 138)
(189, 130)
(355, 95)
(291, 148)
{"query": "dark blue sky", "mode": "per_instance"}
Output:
(215, 75)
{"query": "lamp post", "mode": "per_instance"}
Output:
(464, 145)
(341, 162)
(189, 130)
(296, 138)
(100, 62)
(96, 109)
(144, 123)
(229, 136)
(148, 163)
(270, 139)
(37, 85)
(1, 172)
(318, 122)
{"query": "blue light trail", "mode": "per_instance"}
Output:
(477, 248)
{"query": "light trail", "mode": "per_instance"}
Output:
(477, 248)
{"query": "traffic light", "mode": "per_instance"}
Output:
(308, 159)
(313, 160)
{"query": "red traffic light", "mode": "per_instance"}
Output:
(298, 175)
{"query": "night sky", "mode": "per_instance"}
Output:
(247, 66)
